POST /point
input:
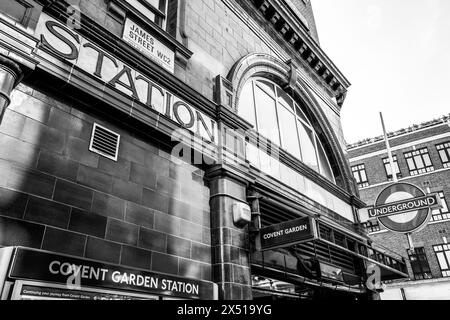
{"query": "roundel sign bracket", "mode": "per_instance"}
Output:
(404, 208)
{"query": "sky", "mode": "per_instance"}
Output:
(396, 54)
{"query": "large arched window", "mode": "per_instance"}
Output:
(277, 117)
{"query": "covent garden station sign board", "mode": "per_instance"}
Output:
(404, 208)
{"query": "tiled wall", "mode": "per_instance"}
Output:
(143, 211)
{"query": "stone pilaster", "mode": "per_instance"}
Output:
(10, 76)
(230, 244)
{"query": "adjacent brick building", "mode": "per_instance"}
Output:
(421, 153)
(134, 143)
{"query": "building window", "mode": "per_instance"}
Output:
(419, 264)
(419, 161)
(159, 11)
(372, 226)
(154, 10)
(359, 172)
(387, 167)
(443, 213)
(278, 118)
(444, 153)
(443, 256)
(17, 10)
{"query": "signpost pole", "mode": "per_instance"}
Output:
(388, 147)
(410, 242)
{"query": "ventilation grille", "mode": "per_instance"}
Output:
(105, 142)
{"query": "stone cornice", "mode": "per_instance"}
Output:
(13, 67)
(309, 52)
(102, 37)
(60, 7)
(306, 37)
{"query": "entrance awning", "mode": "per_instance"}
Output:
(337, 245)
(391, 267)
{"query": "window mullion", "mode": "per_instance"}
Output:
(254, 106)
(317, 153)
(298, 132)
(277, 105)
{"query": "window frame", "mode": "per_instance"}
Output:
(386, 163)
(295, 109)
(444, 147)
(413, 156)
(160, 16)
(421, 257)
(26, 18)
(361, 183)
(372, 226)
(258, 120)
(443, 249)
(444, 215)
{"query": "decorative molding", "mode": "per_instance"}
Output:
(293, 76)
(269, 67)
(13, 68)
(253, 65)
(100, 36)
(276, 50)
(116, 10)
(297, 39)
(10, 76)
(223, 93)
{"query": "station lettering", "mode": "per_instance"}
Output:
(281, 233)
(63, 42)
(121, 278)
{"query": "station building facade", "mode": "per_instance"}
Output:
(421, 157)
(145, 143)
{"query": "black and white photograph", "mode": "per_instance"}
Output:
(224, 158)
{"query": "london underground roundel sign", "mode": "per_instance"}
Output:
(403, 208)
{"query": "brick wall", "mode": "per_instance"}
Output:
(427, 238)
(400, 140)
(433, 233)
(142, 211)
(376, 172)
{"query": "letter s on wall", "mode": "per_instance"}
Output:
(46, 45)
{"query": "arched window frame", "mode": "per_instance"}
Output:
(300, 118)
